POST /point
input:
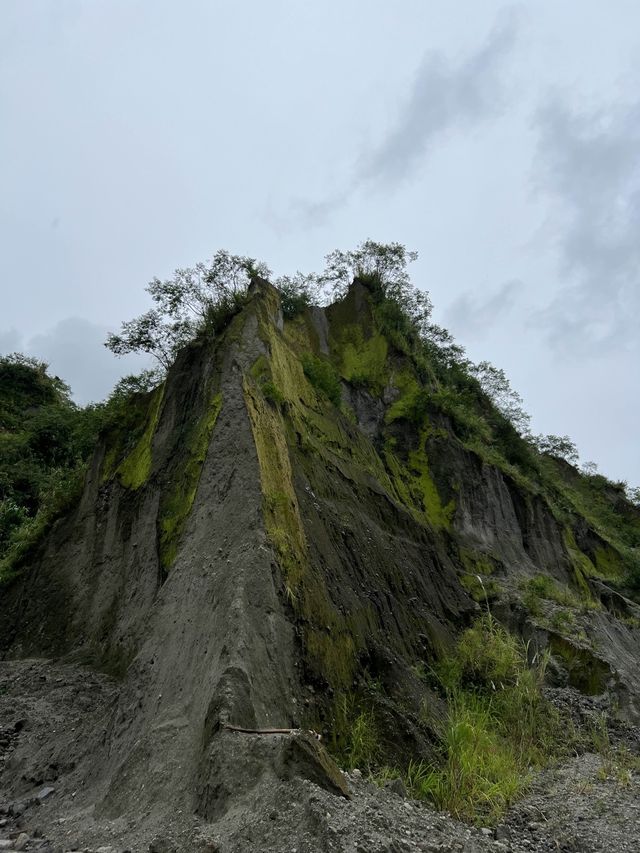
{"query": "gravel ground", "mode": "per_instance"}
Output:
(52, 717)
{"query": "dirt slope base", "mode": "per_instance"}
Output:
(52, 723)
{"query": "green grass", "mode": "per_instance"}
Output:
(545, 587)
(356, 741)
(497, 729)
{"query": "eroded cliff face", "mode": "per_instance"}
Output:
(260, 555)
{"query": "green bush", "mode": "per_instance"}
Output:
(297, 293)
(323, 376)
(498, 726)
(45, 442)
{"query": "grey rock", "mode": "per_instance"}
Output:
(45, 792)
(396, 786)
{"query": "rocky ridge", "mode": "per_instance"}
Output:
(256, 555)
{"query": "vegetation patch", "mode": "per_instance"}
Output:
(582, 565)
(355, 734)
(476, 578)
(438, 515)
(134, 470)
(364, 360)
(586, 673)
(547, 588)
(323, 376)
(609, 564)
(45, 443)
(498, 726)
(176, 507)
(329, 642)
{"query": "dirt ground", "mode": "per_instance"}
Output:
(53, 723)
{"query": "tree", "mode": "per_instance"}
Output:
(197, 298)
(589, 469)
(153, 334)
(633, 495)
(560, 446)
(298, 292)
(497, 387)
(441, 346)
(384, 263)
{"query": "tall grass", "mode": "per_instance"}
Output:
(356, 736)
(498, 728)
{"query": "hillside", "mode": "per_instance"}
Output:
(310, 524)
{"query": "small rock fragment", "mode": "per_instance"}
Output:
(45, 792)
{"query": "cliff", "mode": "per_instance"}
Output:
(301, 521)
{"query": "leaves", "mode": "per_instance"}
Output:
(192, 300)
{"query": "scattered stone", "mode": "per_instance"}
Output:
(45, 792)
(21, 841)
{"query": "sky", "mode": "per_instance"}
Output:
(499, 141)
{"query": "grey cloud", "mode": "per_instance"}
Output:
(308, 214)
(443, 97)
(471, 314)
(74, 350)
(590, 165)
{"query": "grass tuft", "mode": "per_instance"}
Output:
(497, 729)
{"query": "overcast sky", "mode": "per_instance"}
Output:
(502, 142)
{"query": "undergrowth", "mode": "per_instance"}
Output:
(545, 588)
(498, 727)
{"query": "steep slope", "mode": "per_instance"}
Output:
(297, 528)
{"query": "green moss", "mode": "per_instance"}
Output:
(476, 577)
(175, 508)
(328, 644)
(261, 372)
(331, 641)
(260, 368)
(438, 515)
(134, 470)
(364, 361)
(609, 563)
(581, 564)
(411, 403)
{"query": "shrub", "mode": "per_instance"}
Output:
(297, 293)
(323, 376)
(498, 726)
